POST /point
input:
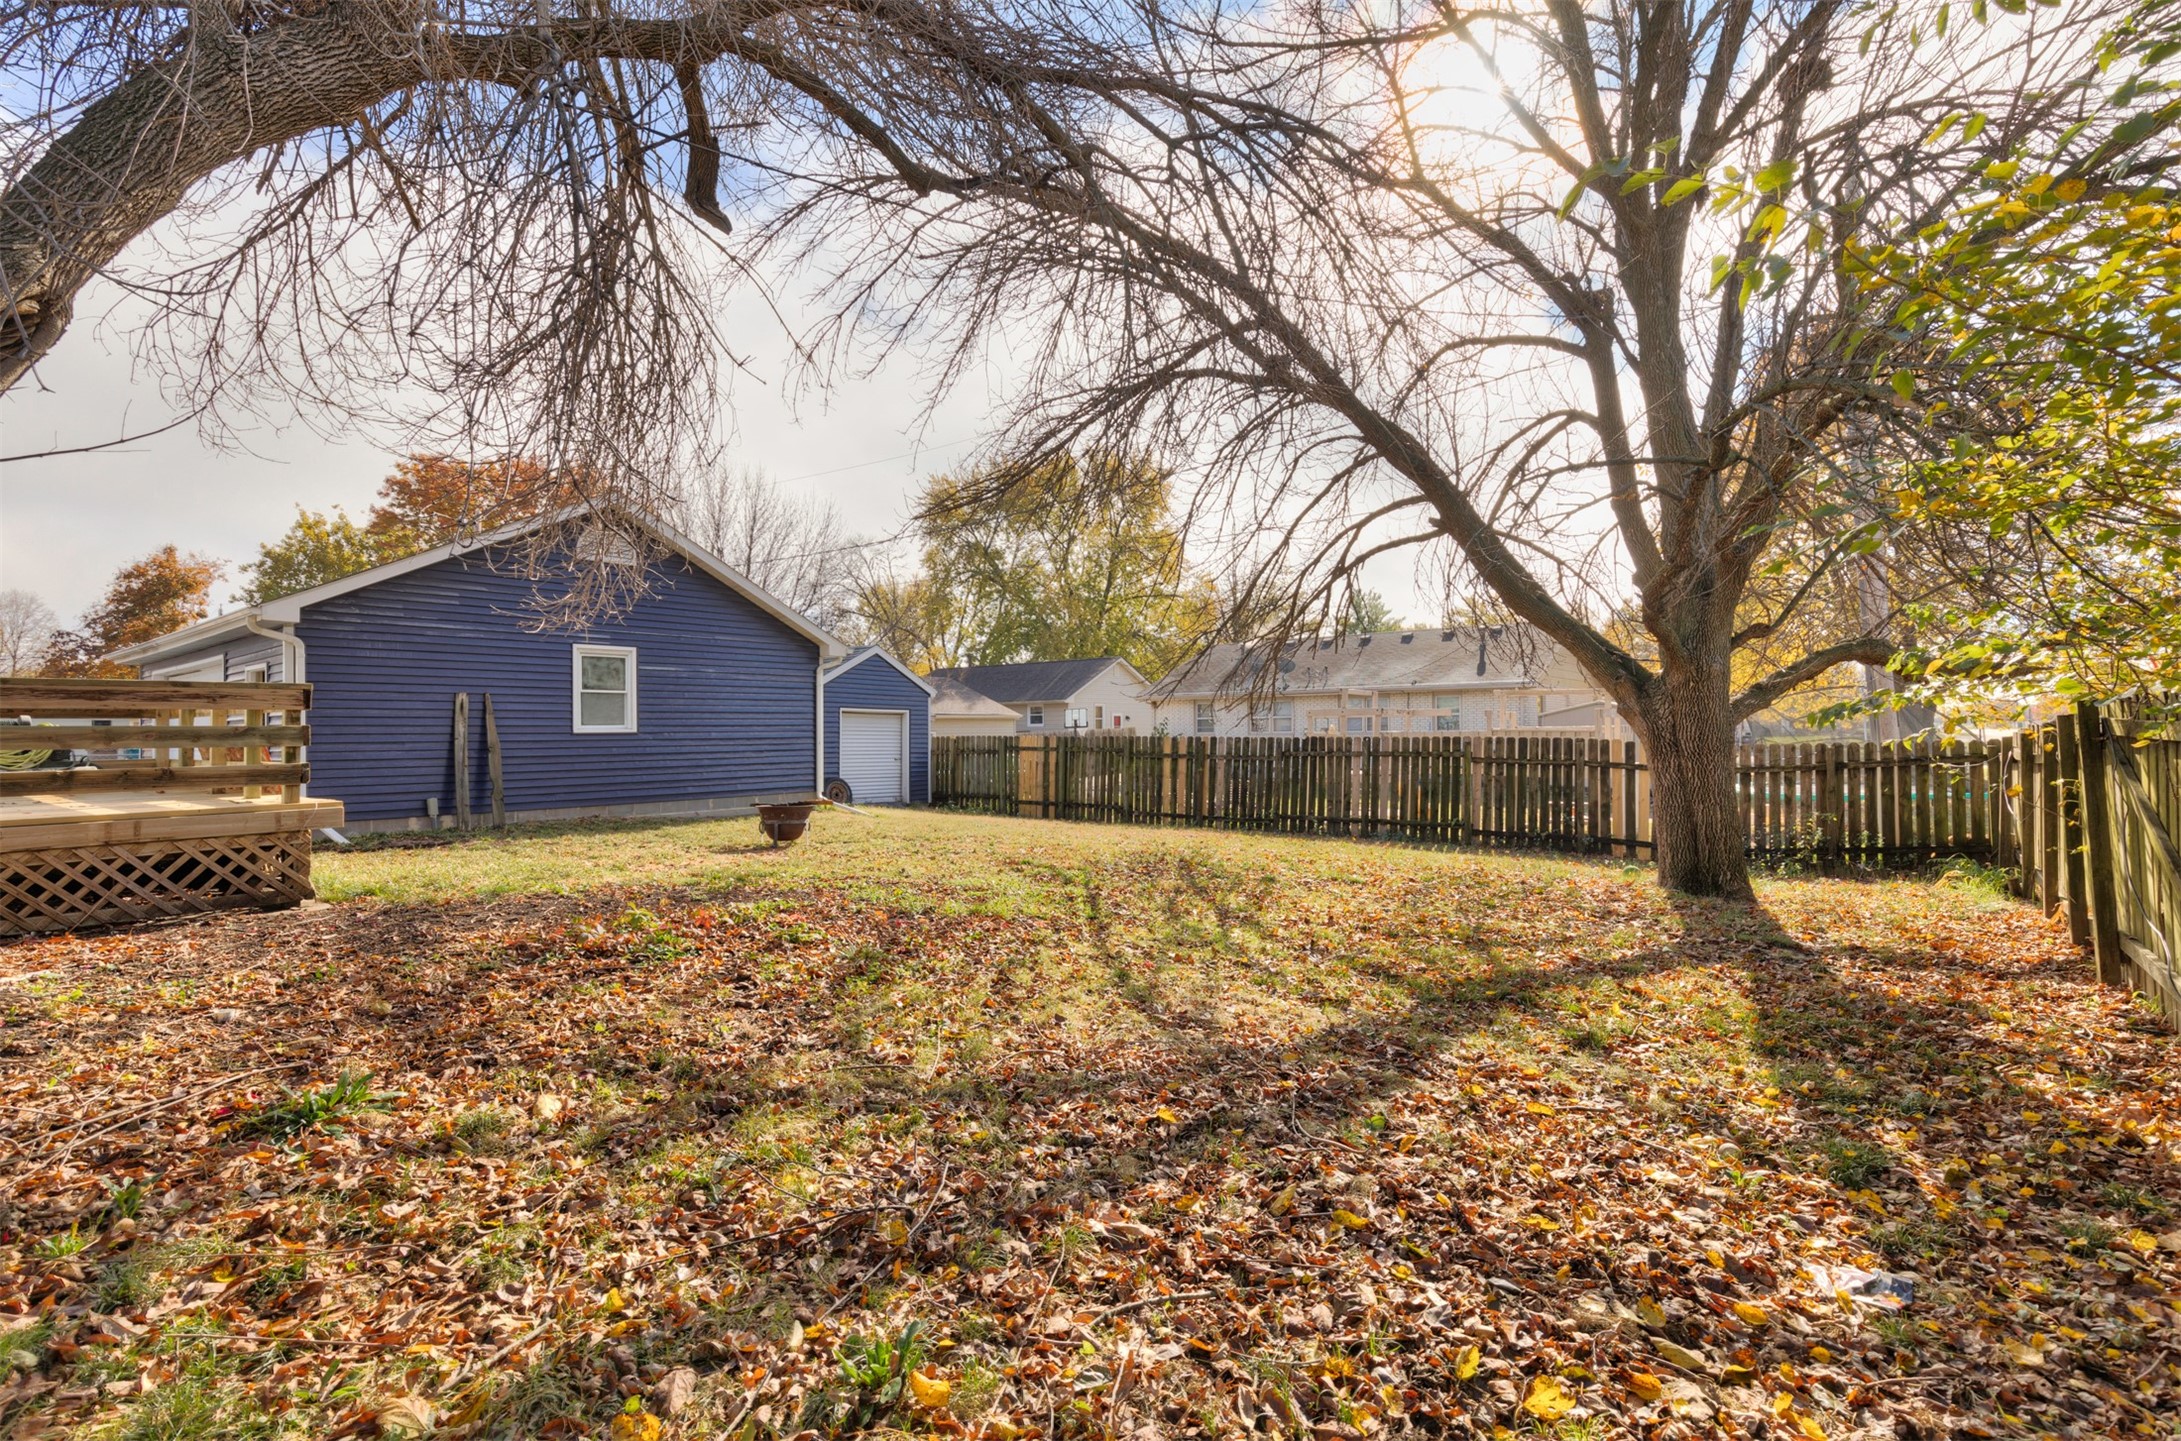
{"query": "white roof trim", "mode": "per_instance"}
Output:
(288, 609)
(203, 632)
(858, 657)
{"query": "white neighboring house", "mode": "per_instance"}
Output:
(956, 710)
(1468, 679)
(1104, 695)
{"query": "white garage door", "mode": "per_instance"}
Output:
(873, 747)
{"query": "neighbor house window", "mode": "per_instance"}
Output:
(1359, 725)
(1357, 702)
(1098, 717)
(1283, 717)
(1078, 717)
(1205, 720)
(1446, 712)
(1037, 717)
(1526, 710)
(605, 688)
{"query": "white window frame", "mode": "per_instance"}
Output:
(1283, 717)
(1207, 718)
(1034, 718)
(1098, 717)
(575, 688)
(1077, 718)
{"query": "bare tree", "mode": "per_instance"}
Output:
(1566, 290)
(493, 226)
(27, 625)
(1569, 290)
(793, 547)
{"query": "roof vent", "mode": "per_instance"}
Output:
(1366, 640)
(600, 546)
(1407, 638)
(1446, 635)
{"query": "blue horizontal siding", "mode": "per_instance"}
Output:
(726, 695)
(875, 685)
(240, 652)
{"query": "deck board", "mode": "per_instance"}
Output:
(50, 819)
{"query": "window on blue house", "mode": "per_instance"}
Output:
(605, 688)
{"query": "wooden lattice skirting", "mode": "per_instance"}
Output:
(66, 887)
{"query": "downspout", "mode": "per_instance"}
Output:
(291, 664)
(818, 784)
(291, 652)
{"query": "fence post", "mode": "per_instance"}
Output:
(2048, 819)
(2098, 836)
(1833, 805)
(2070, 785)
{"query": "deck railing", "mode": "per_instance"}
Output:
(131, 801)
(154, 735)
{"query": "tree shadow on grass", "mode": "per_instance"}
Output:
(1025, 1148)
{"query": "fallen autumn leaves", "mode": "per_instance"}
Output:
(1031, 1130)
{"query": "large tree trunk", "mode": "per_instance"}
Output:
(1687, 726)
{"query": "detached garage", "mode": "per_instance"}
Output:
(877, 731)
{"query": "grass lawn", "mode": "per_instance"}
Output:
(941, 1124)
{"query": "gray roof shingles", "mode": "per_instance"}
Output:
(1029, 680)
(1382, 660)
(952, 697)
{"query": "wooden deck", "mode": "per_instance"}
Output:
(188, 799)
(40, 822)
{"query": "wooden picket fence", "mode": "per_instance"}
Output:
(2096, 802)
(2084, 826)
(1832, 805)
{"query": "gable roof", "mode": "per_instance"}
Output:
(288, 609)
(956, 700)
(863, 653)
(1028, 681)
(1460, 658)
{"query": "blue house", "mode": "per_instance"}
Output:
(704, 696)
(877, 730)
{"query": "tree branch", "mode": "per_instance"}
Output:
(1868, 649)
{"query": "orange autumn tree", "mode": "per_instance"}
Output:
(432, 497)
(164, 591)
(427, 499)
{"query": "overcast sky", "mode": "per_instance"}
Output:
(68, 522)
